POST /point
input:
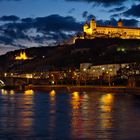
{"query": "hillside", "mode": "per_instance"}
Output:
(96, 51)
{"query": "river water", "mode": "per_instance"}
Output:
(56, 115)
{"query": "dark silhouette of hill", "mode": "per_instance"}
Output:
(96, 51)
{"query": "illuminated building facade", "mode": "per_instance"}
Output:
(92, 31)
(96, 71)
(22, 56)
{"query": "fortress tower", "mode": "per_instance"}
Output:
(85, 27)
(120, 23)
(93, 24)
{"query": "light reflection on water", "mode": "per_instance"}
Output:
(54, 115)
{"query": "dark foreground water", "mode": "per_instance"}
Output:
(77, 116)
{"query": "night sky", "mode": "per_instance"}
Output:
(34, 23)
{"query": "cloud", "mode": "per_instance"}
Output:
(40, 31)
(9, 18)
(85, 14)
(57, 23)
(71, 10)
(113, 22)
(43, 31)
(117, 9)
(133, 11)
(101, 2)
(130, 22)
(88, 16)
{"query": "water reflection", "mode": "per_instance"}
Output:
(4, 92)
(54, 115)
(105, 117)
(82, 116)
(76, 121)
(75, 100)
(25, 111)
(29, 92)
(12, 92)
(52, 101)
(52, 96)
(52, 112)
(106, 102)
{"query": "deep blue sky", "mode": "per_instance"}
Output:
(37, 8)
(28, 23)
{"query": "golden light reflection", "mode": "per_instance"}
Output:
(76, 121)
(85, 103)
(75, 102)
(106, 102)
(52, 111)
(106, 120)
(12, 92)
(25, 120)
(4, 92)
(52, 96)
(52, 93)
(29, 76)
(29, 92)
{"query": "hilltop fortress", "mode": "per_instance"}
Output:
(92, 30)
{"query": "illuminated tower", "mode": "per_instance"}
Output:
(22, 56)
(85, 27)
(93, 24)
(120, 23)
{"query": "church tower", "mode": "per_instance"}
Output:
(92, 24)
(120, 23)
(85, 27)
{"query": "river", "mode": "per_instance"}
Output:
(40, 115)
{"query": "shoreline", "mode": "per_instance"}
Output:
(77, 88)
(70, 88)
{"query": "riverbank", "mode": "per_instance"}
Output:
(69, 88)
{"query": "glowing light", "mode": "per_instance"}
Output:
(84, 69)
(4, 92)
(75, 94)
(123, 49)
(12, 92)
(103, 68)
(29, 92)
(106, 102)
(2, 82)
(107, 98)
(22, 56)
(75, 73)
(5, 74)
(29, 76)
(75, 100)
(52, 82)
(52, 96)
(52, 93)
